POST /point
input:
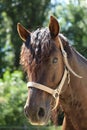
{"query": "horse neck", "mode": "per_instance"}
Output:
(79, 64)
(74, 98)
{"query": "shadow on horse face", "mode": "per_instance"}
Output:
(42, 60)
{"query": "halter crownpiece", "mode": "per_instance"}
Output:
(66, 61)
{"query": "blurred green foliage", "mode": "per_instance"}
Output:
(72, 16)
(31, 14)
(12, 98)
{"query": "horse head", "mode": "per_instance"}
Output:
(44, 60)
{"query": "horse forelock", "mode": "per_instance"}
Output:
(38, 47)
(41, 44)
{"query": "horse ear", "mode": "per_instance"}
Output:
(53, 26)
(23, 33)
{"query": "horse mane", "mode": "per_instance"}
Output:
(39, 47)
(41, 44)
(81, 58)
(66, 45)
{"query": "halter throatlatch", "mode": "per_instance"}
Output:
(56, 92)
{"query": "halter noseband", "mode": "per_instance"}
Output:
(54, 92)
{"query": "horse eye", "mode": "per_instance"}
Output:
(55, 60)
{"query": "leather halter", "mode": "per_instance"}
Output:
(54, 92)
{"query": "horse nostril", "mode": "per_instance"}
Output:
(41, 112)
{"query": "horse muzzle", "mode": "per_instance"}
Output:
(36, 109)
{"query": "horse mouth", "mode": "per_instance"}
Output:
(39, 122)
(37, 116)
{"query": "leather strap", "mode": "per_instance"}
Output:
(54, 92)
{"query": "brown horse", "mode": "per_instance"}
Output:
(57, 75)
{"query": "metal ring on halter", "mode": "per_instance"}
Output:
(55, 93)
